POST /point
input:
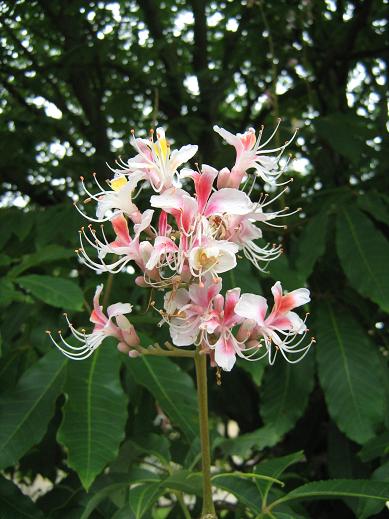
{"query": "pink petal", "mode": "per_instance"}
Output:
(119, 224)
(97, 317)
(232, 298)
(283, 304)
(203, 184)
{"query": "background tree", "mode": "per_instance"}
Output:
(75, 78)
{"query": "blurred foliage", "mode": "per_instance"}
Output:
(75, 78)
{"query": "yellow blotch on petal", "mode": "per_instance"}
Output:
(118, 183)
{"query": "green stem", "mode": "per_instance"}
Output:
(208, 511)
(182, 504)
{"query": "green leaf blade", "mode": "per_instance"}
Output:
(58, 292)
(26, 411)
(360, 488)
(171, 387)
(95, 413)
(347, 365)
(363, 253)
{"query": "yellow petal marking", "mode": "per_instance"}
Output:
(118, 183)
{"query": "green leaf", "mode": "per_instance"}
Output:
(27, 409)
(346, 133)
(14, 504)
(368, 507)
(275, 467)
(282, 270)
(245, 490)
(314, 232)
(374, 204)
(184, 481)
(375, 448)
(333, 488)
(348, 367)
(8, 294)
(99, 496)
(95, 413)
(363, 253)
(124, 513)
(44, 255)
(255, 369)
(58, 292)
(142, 498)
(171, 387)
(263, 437)
(285, 391)
(152, 445)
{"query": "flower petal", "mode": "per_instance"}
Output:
(252, 306)
(229, 200)
(225, 356)
(119, 309)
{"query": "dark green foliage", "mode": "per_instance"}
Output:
(126, 429)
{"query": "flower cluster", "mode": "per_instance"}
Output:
(184, 242)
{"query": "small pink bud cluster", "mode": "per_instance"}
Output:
(183, 243)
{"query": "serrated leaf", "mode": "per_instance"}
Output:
(171, 387)
(58, 292)
(275, 467)
(333, 488)
(314, 232)
(27, 409)
(94, 415)
(348, 367)
(285, 391)
(363, 253)
(14, 504)
(368, 507)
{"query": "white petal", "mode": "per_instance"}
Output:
(182, 155)
(224, 357)
(229, 200)
(227, 136)
(225, 262)
(119, 309)
(252, 306)
(298, 325)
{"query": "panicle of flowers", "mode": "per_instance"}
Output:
(200, 223)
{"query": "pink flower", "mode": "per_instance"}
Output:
(188, 312)
(114, 324)
(223, 320)
(250, 154)
(281, 326)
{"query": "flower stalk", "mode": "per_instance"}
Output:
(208, 510)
